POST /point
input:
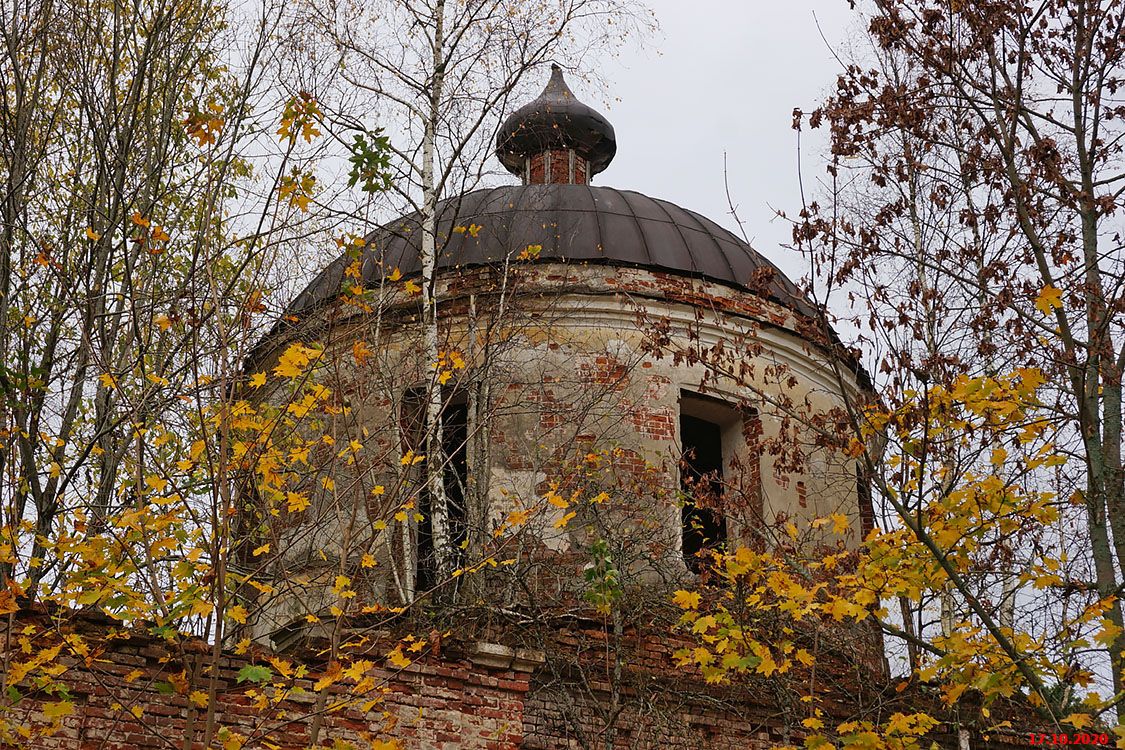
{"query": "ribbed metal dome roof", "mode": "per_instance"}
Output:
(572, 224)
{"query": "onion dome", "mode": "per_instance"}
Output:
(556, 138)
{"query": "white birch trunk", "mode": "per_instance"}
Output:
(435, 458)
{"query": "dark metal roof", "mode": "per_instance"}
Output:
(555, 120)
(572, 224)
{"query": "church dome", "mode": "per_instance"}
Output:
(556, 143)
(574, 224)
(556, 120)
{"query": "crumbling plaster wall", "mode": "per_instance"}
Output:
(568, 358)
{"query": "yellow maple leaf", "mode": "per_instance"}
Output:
(262, 550)
(562, 522)
(108, 380)
(398, 659)
(138, 219)
(1109, 632)
(296, 501)
(293, 362)
(156, 483)
(1049, 299)
(517, 517)
(257, 380)
(92, 235)
(686, 599)
(557, 500)
(199, 698)
(358, 669)
(201, 608)
(238, 613)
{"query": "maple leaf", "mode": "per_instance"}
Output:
(156, 483)
(296, 501)
(840, 523)
(255, 673)
(361, 352)
(556, 500)
(1109, 632)
(686, 599)
(398, 659)
(1049, 299)
(358, 669)
(562, 522)
(294, 360)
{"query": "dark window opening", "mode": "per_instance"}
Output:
(455, 477)
(863, 496)
(702, 522)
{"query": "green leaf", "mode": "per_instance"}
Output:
(371, 162)
(254, 673)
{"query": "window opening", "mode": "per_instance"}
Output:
(702, 523)
(455, 476)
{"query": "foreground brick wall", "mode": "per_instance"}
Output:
(134, 691)
(131, 690)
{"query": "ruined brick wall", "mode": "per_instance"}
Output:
(134, 691)
(128, 689)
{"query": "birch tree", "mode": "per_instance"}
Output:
(439, 76)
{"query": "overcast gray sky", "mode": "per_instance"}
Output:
(725, 76)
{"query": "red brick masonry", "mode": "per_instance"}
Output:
(128, 689)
